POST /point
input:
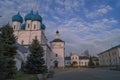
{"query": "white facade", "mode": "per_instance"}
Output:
(58, 52)
(31, 29)
(110, 57)
(76, 60)
(21, 56)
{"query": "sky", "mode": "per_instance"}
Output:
(92, 25)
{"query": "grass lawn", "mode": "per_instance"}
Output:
(23, 76)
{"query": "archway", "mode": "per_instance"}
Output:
(74, 64)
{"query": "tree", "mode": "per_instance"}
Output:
(8, 51)
(2, 67)
(91, 63)
(35, 62)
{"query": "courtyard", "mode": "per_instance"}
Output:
(86, 74)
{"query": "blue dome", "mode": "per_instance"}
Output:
(29, 16)
(23, 26)
(17, 17)
(33, 17)
(36, 17)
(43, 27)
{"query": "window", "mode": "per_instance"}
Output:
(67, 62)
(56, 55)
(73, 57)
(81, 62)
(22, 42)
(34, 26)
(85, 63)
(35, 37)
(14, 27)
(28, 25)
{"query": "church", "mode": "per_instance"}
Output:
(30, 27)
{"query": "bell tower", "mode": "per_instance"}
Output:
(58, 49)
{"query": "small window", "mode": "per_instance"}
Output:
(22, 42)
(34, 26)
(14, 27)
(35, 37)
(28, 25)
(81, 62)
(56, 55)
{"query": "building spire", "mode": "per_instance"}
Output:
(57, 36)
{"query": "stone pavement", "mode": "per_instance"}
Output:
(86, 74)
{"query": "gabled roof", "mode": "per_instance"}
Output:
(118, 46)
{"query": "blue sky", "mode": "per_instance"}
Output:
(83, 24)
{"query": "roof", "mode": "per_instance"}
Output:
(17, 17)
(33, 17)
(21, 48)
(23, 26)
(57, 40)
(68, 58)
(118, 46)
(83, 57)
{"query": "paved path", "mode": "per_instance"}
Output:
(87, 74)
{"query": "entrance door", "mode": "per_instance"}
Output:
(55, 64)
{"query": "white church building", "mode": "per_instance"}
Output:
(32, 28)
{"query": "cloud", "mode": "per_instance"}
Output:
(99, 12)
(71, 18)
(80, 35)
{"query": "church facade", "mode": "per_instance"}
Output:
(32, 28)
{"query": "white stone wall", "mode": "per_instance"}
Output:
(47, 56)
(27, 36)
(16, 25)
(74, 57)
(19, 58)
(67, 62)
(110, 57)
(28, 25)
(58, 49)
(36, 25)
(83, 62)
